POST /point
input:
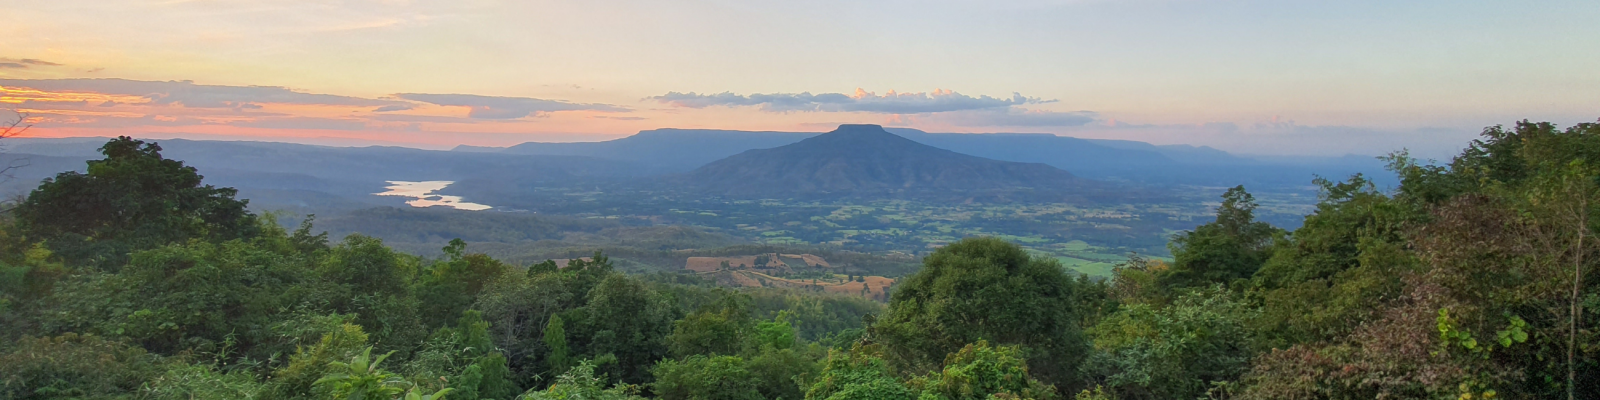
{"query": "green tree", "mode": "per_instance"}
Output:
(1231, 248)
(980, 371)
(74, 366)
(779, 373)
(856, 375)
(449, 286)
(132, 199)
(374, 282)
(986, 289)
(1179, 350)
(198, 297)
(629, 321)
(308, 364)
(360, 379)
(702, 377)
(555, 339)
(717, 328)
(581, 383)
(1339, 267)
(777, 333)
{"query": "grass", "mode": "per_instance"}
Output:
(1087, 267)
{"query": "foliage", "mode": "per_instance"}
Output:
(704, 377)
(555, 340)
(718, 328)
(198, 296)
(1339, 267)
(1231, 248)
(627, 321)
(75, 366)
(986, 289)
(132, 199)
(202, 382)
(1179, 350)
(580, 383)
(464, 359)
(857, 375)
(980, 371)
(297, 378)
(449, 286)
(1473, 279)
(360, 379)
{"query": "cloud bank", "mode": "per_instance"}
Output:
(189, 94)
(1017, 116)
(861, 101)
(23, 63)
(494, 107)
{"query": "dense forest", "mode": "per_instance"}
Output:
(1472, 279)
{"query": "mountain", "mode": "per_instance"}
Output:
(1068, 153)
(670, 151)
(286, 175)
(1181, 153)
(867, 160)
(663, 150)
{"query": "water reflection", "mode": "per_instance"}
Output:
(423, 192)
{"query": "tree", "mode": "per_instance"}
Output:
(1231, 248)
(555, 340)
(580, 383)
(197, 297)
(360, 379)
(980, 371)
(701, 377)
(986, 289)
(133, 199)
(627, 320)
(1340, 266)
(718, 328)
(1180, 350)
(72, 365)
(855, 374)
(449, 286)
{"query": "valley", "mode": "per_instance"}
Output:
(892, 195)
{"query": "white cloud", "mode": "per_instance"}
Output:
(189, 94)
(494, 107)
(860, 101)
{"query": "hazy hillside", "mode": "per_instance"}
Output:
(284, 175)
(865, 159)
(664, 150)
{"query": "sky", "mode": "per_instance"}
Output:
(1281, 77)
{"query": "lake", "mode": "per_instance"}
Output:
(423, 195)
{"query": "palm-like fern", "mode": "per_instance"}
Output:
(360, 379)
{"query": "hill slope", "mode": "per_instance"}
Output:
(865, 159)
(664, 150)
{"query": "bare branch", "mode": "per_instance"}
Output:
(16, 126)
(12, 128)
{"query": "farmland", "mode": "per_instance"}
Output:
(1087, 238)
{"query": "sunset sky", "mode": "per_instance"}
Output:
(1256, 77)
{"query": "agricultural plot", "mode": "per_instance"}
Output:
(1088, 238)
(871, 287)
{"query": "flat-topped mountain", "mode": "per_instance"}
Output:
(663, 150)
(866, 160)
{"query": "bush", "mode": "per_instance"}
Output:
(75, 366)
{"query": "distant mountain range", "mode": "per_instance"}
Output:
(286, 175)
(666, 151)
(662, 150)
(866, 160)
(307, 177)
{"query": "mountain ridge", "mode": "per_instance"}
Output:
(868, 160)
